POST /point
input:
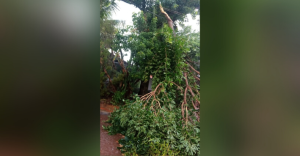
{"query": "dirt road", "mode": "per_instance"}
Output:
(108, 143)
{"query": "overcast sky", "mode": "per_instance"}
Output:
(125, 13)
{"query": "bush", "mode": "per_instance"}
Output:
(118, 97)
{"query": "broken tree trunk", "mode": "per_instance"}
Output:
(170, 22)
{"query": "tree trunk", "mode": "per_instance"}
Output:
(128, 91)
(144, 88)
(121, 54)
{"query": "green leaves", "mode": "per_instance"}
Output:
(147, 133)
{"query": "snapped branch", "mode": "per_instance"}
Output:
(170, 22)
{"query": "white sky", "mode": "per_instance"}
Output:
(125, 13)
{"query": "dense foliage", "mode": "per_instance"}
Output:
(165, 121)
(154, 133)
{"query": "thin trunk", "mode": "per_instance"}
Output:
(144, 88)
(129, 89)
(113, 87)
(113, 61)
(121, 54)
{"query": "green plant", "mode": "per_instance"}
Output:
(161, 149)
(117, 98)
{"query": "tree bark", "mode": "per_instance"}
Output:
(144, 88)
(113, 87)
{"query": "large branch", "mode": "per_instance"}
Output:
(170, 22)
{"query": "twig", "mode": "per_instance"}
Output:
(196, 90)
(177, 85)
(197, 78)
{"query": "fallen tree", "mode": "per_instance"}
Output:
(171, 111)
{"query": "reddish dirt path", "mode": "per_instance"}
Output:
(106, 106)
(108, 143)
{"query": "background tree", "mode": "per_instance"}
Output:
(108, 29)
(176, 9)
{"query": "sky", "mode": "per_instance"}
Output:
(125, 13)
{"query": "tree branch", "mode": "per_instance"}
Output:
(193, 68)
(113, 87)
(170, 22)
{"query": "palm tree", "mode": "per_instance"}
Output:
(108, 29)
(107, 7)
(108, 26)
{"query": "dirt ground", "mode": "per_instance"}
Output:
(108, 143)
(106, 106)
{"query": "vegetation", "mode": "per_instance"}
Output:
(108, 30)
(165, 121)
(176, 9)
(151, 131)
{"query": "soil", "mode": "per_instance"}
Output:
(108, 143)
(106, 106)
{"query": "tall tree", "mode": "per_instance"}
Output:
(107, 34)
